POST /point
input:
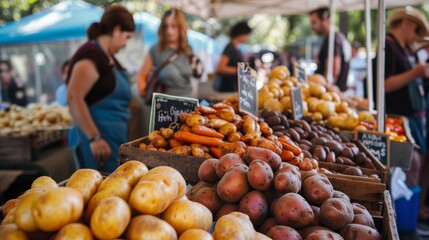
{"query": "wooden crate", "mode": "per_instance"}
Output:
(386, 223)
(187, 165)
(380, 170)
(366, 191)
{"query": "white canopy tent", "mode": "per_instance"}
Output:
(222, 9)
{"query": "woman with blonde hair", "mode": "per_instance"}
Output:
(171, 57)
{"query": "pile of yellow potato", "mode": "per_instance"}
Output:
(34, 117)
(131, 203)
(320, 101)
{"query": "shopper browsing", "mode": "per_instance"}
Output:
(12, 92)
(99, 92)
(404, 80)
(175, 75)
(61, 92)
(320, 23)
(231, 55)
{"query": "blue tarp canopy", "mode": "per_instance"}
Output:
(64, 21)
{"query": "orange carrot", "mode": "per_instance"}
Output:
(216, 152)
(195, 138)
(206, 131)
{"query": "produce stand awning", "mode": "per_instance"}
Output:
(233, 8)
(64, 21)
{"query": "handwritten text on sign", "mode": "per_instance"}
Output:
(377, 143)
(166, 110)
(248, 93)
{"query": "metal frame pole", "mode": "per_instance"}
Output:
(369, 80)
(381, 23)
(330, 73)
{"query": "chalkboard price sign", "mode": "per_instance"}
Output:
(300, 73)
(377, 143)
(297, 105)
(247, 89)
(166, 110)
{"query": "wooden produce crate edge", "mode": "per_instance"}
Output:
(187, 165)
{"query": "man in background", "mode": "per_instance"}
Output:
(320, 23)
(12, 92)
(61, 92)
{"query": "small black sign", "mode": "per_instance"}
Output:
(166, 110)
(297, 105)
(300, 73)
(377, 143)
(247, 89)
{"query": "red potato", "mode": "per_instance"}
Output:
(226, 162)
(304, 232)
(191, 193)
(255, 206)
(280, 232)
(362, 216)
(324, 235)
(308, 174)
(316, 189)
(335, 213)
(357, 232)
(292, 210)
(233, 185)
(207, 171)
(316, 211)
(288, 179)
(225, 209)
(339, 194)
(266, 155)
(260, 175)
(209, 198)
(267, 225)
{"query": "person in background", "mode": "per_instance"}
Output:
(61, 92)
(12, 92)
(231, 55)
(404, 83)
(99, 91)
(176, 75)
(357, 71)
(320, 23)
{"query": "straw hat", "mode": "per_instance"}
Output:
(413, 15)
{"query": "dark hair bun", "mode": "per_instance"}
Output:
(240, 28)
(94, 30)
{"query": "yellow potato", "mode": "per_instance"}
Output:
(110, 218)
(227, 129)
(196, 120)
(131, 170)
(86, 181)
(193, 234)
(9, 205)
(169, 172)
(57, 207)
(234, 225)
(74, 231)
(23, 214)
(10, 217)
(44, 182)
(152, 197)
(150, 227)
(184, 215)
(12, 232)
(101, 195)
(225, 114)
(116, 186)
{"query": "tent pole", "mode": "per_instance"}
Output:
(381, 23)
(330, 74)
(38, 82)
(369, 80)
